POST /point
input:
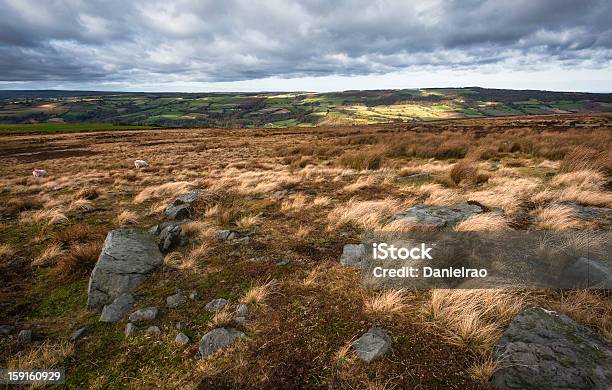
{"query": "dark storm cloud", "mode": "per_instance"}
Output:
(115, 41)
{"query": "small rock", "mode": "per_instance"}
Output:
(130, 329)
(282, 262)
(24, 336)
(372, 345)
(181, 207)
(182, 339)
(78, 333)
(244, 240)
(153, 329)
(180, 325)
(170, 236)
(436, 217)
(242, 310)
(193, 295)
(217, 339)
(146, 314)
(116, 310)
(176, 300)
(226, 235)
(216, 304)
(353, 255)
(240, 320)
(5, 330)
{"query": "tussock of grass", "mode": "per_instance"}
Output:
(483, 371)
(6, 251)
(79, 261)
(48, 255)
(257, 295)
(387, 302)
(127, 217)
(361, 160)
(369, 214)
(47, 355)
(556, 217)
(172, 189)
(483, 222)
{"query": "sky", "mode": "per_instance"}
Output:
(319, 45)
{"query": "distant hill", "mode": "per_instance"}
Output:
(275, 109)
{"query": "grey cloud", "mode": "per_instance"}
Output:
(187, 40)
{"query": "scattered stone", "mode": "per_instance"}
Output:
(24, 336)
(216, 304)
(282, 262)
(436, 217)
(181, 207)
(244, 240)
(277, 195)
(6, 330)
(153, 329)
(372, 345)
(130, 329)
(242, 310)
(217, 339)
(127, 257)
(146, 314)
(182, 339)
(587, 273)
(193, 295)
(117, 310)
(78, 333)
(176, 300)
(226, 235)
(542, 349)
(169, 235)
(240, 320)
(423, 176)
(353, 255)
(180, 325)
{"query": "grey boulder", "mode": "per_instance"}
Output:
(146, 314)
(127, 257)
(216, 304)
(176, 300)
(168, 235)
(118, 309)
(217, 339)
(24, 336)
(226, 235)
(372, 345)
(181, 207)
(542, 349)
(353, 255)
(436, 217)
(182, 339)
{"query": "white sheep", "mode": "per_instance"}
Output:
(39, 172)
(140, 163)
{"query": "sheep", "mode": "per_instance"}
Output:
(140, 163)
(39, 172)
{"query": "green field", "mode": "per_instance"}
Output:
(59, 111)
(65, 127)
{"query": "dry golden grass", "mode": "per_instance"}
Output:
(294, 203)
(258, 294)
(249, 221)
(483, 222)
(48, 255)
(47, 355)
(439, 196)
(368, 214)
(388, 302)
(6, 251)
(79, 261)
(556, 217)
(198, 230)
(51, 217)
(483, 371)
(80, 205)
(171, 189)
(223, 317)
(466, 172)
(587, 307)
(321, 201)
(361, 183)
(474, 318)
(361, 160)
(127, 217)
(584, 180)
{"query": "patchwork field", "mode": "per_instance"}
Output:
(292, 198)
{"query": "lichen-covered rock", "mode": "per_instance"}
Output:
(372, 345)
(168, 235)
(436, 217)
(127, 257)
(146, 314)
(546, 350)
(217, 339)
(353, 255)
(176, 300)
(118, 309)
(216, 304)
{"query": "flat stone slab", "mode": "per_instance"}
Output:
(127, 257)
(542, 349)
(353, 255)
(216, 304)
(436, 217)
(374, 344)
(217, 339)
(146, 314)
(118, 309)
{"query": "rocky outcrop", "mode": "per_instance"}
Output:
(436, 217)
(353, 255)
(146, 314)
(181, 207)
(118, 309)
(542, 349)
(168, 235)
(127, 257)
(217, 339)
(372, 345)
